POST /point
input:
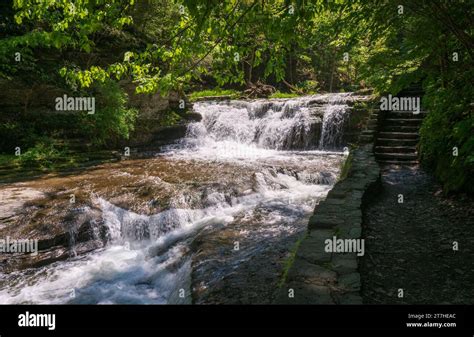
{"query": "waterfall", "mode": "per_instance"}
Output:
(248, 172)
(258, 124)
(332, 128)
(305, 123)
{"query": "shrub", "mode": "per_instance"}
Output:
(214, 92)
(112, 120)
(279, 94)
(449, 125)
(44, 154)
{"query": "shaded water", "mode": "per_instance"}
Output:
(228, 199)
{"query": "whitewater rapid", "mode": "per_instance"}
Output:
(282, 156)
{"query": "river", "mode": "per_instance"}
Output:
(209, 219)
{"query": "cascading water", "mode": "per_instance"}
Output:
(333, 123)
(247, 173)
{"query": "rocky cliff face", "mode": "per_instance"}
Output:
(151, 106)
(154, 127)
(16, 96)
(19, 98)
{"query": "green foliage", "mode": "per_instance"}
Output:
(9, 161)
(290, 260)
(308, 86)
(417, 47)
(55, 25)
(43, 155)
(346, 167)
(212, 93)
(279, 94)
(11, 134)
(304, 46)
(237, 42)
(34, 132)
(170, 118)
(112, 120)
(68, 23)
(450, 125)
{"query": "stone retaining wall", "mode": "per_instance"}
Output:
(320, 277)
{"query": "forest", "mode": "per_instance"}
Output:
(235, 47)
(237, 152)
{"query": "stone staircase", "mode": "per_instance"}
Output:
(397, 134)
(371, 124)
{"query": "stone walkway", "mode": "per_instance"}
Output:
(318, 276)
(409, 245)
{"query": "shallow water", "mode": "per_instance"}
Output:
(187, 225)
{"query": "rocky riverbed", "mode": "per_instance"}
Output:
(209, 219)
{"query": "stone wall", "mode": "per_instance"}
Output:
(320, 277)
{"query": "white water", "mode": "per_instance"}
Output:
(148, 258)
(333, 122)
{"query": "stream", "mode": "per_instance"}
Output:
(211, 218)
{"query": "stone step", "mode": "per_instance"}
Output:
(404, 121)
(395, 149)
(396, 142)
(404, 111)
(399, 135)
(405, 114)
(400, 128)
(410, 93)
(398, 162)
(372, 123)
(366, 138)
(396, 156)
(368, 132)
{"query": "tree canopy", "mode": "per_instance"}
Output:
(299, 46)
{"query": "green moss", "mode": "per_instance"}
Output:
(45, 154)
(346, 167)
(169, 118)
(7, 160)
(279, 94)
(213, 92)
(289, 261)
(48, 156)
